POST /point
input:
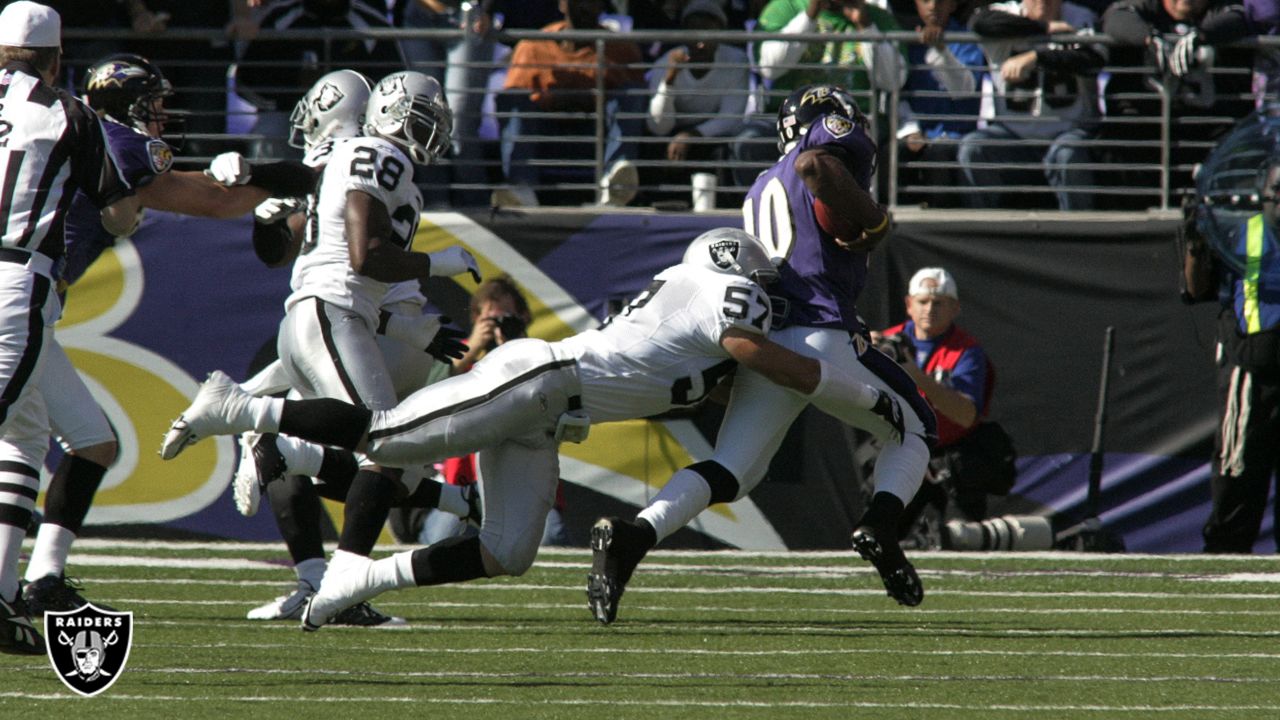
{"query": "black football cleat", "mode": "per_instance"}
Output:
(55, 593)
(899, 577)
(617, 547)
(18, 635)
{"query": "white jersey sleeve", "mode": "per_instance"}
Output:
(323, 269)
(663, 350)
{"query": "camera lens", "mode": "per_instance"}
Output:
(512, 327)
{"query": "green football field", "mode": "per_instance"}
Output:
(700, 635)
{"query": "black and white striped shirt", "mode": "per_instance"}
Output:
(50, 145)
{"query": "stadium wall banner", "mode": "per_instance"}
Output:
(186, 296)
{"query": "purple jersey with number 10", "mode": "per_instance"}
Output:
(819, 280)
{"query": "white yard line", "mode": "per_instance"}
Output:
(552, 552)
(429, 603)
(677, 703)
(731, 629)
(84, 559)
(732, 653)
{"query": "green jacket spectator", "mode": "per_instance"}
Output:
(858, 66)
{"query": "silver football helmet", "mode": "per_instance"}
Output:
(733, 252)
(334, 107)
(409, 109)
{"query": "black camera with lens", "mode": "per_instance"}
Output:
(898, 347)
(512, 327)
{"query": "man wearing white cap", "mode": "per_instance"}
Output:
(948, 365)
(50, 145)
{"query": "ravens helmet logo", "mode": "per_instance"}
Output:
(114, 75)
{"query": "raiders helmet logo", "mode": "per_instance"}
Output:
(88, 647)
(329, 96)
(160, 155)
(724, 253)
(113, 75)
(836, 125)
(393, 85)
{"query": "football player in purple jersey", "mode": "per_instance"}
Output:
(814, 211)
(128, 92)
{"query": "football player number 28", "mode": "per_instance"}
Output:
(771, 222)
(365, 165)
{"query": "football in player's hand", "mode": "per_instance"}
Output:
(834, 224)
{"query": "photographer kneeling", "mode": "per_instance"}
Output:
(972, 458)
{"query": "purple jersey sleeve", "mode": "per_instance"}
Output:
(820, 281)
(140, 159)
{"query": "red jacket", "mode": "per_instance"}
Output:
(945, 356)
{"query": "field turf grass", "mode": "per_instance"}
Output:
(700, 635)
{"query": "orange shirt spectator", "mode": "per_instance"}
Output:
(561, 75)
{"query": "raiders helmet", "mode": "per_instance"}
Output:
(125, 87)
(409, 109)
(806, 104)
(733, 252)
(334, 107)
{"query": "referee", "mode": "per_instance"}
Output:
(50, 145)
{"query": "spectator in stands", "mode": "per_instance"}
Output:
(937, 68)
(1264, 19)
(272, 73)
(699, 93)
(955, 377)
(743, 13)
(461, 65)
(556, 77)
(860, 67)
(527, 14)
(1179, 43)
(1045, 93)
(124, 15)
(197, 68)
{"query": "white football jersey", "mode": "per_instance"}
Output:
(663, 351)
(407, 291)
(374, 166)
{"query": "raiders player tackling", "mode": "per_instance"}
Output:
(667, 349)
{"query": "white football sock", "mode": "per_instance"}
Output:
(301, 457)
(900, 468)
(392, 573)
(678, 502)
(452, 500)
(265, 412)
(49, 556)
(403, 562)
(23, 500)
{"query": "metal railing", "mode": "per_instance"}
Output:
(579, 161)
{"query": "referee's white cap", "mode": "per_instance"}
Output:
(27, 24)
(933, 281)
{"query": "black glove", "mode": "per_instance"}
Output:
(447, 345)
